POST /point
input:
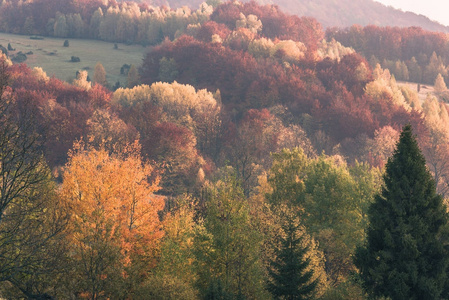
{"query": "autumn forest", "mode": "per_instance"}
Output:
(247, 157)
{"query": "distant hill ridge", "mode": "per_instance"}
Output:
(339, 13)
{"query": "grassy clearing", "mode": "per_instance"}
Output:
(423, 92)
(54, 58)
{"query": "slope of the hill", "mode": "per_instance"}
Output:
(340, 13)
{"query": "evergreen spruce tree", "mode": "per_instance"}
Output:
(404, 255)
(290, 276)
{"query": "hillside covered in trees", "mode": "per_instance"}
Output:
(409, 53)
(342, 13)
(246, 135)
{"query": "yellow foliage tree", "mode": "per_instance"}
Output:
(289, 51)
(381, 146)
(260, 47)
(100, 75)
(384, 88)
(333, 50)
(115, 226)
(440, 85)
(81, 81)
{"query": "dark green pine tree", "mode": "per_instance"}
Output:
(404, 255)
(290, 278)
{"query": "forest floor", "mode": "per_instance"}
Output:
(50, 54)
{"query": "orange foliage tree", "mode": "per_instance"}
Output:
(115, 227)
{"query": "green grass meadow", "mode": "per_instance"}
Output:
(54, 58)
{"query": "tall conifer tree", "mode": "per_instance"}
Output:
(291, 277)
(404, 256)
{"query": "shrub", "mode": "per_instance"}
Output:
(19, 57)
(125, 69)
(75, 59)
(66, 43)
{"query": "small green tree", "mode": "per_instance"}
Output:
(286, 177)
(167, 69)
(133, 76)
(404, 255)
(291, 277)
(227, 249)
(332, 208)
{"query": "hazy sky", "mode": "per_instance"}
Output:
(437, 10)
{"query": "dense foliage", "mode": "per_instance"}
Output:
(178, 186)
(410, 53)
(139, 22)
(128, 22)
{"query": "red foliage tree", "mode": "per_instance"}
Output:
(226, 13)
(210, 28)
(243, 81)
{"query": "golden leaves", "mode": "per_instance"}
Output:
(112, 195)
